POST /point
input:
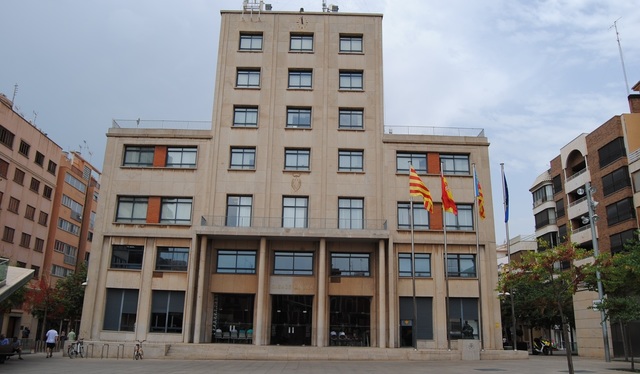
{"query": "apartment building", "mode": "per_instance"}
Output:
(288, 221)
(608, 161)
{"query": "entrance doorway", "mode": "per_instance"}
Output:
(291, 317)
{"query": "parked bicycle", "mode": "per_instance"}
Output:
(76, 349)
(138, 353)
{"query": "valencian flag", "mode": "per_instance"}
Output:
(417, 188)
(479, 194)
(447, 198)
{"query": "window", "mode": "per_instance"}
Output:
(70, 252)
(352, 119)
(127, 256)
(35, 185)
(295, 211)
(616, 181)
(455, 164)
(420, 216)
(296, 159)
(36, 271)
(132, 209)
(4, 168)
(611, 152)
(76, 207)
(43, 218)
(86, 173)
(68, 227)
(461, 266)
(557, 184)
(463, 311)
(60, 271)
(636, 181)
(417, 160)
(75, 183)
(463, 221)
(619, 240)
(299, 117)
(248, 78)
(300, 78)
(47, 191)
(14, 205)
(544, 218)
(239, 211)
(24, 148)
(39, 160)
(245, 116)
(301, 43)
(250, 42)
(293, 263)
(350, 213)
(422, 261)
(181, 157)
(136, 156)
(25, 240)
(18, 176)
(350, 264)
(560, 208)
(39, 247)
(30, 212)
(176, 210)
(542, 194)
(51, 168)
(120, 309)
(350, 160)
(172, 259)
(351, 80)
(6, 137)
(236, 262)
(562, 233)
(351, 43)
(620, 211)
(7, 234)
(167, 308)
(243, 158)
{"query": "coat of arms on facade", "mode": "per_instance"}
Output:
(296, 182)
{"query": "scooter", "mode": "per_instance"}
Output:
(542, 346)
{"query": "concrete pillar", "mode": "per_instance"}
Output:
(200, 295)
(392, 298)
(382, 296)
(321, 329)
(260, 325)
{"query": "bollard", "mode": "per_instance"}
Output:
(90, 346)
(118, 353)
(102, 353)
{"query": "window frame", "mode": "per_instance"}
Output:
(297, 117)
(186, 157)
(246, 156)
(245, 113)
(416, 159)
(301, 42)
(295, 209)
(251, 38)
(132, 257)
(300, 79)
(346, 209)
(351, 80)
(348, 41)
(465, 213)
(139, 205)
(6, 137)
(138, 156)
(176, 210)
(616, 180)
(174, 257)
(250, 257)
(121, 309)
(24, 148)
(244, 205)
(351, 270)
(620, 211)
(350, 119)
(455, 164)
(350, 160)
(455, 265)
(296, 159)
(248, 78)
(421, 216)
(167, 311)
(422, 261)
(298, 261)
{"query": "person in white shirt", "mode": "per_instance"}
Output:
(52, 339)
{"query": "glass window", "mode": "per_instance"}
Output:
(69, 227)
(18, 176)
(351, 119)
(6, 137)
(423, 264)
(236, 262)
(42, 218)
(620, 211)
(350, 320)
(463, 318)
(420, 217)
(417, 160)
(233, 309)
(14, 205)
(350, 160)
(560, 208)
(245, 116)
(181, 157)
(24, 148)
(248, 78)
(243, 158)
(137, 156)
(296, 159)
(616, 180)
(8, 233)
(299, 117)
(47, 191)
(350, 264)
(167, 311)
(301, 43)
(295, 212)
(250, 42)
(293, 263)
(300, 78)
(172, 259)
(51, 168)
(461, 265)
(35, 185)
(544, 218)
(75, 183)
(351, 80)
(350, 43)
(132, 209)
(239, 211)
(75, 207)
(463, 221)
(455, 164)
(126, 256)
(542, 194)
(619, 240)
(25, 240)
(39, 160)
(176, 210)
(612, 151)
(120, 309)
(30, 212)
(350, 213)
(4, 168)
(636, 181)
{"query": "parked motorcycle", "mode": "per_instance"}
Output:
(542, 346)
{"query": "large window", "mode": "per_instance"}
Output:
(350, 213)
(248, 78)
(132, 209)
(350, 264)
(138, 156)
(245, 116)
(69, 227)
(417, 160)
(461, 265)
(250, 42)
(542, 194)
(461, 222)
(8, 233)
(181, 157)
(120, 309)
(350, 160)
(127, 256)
(243, 158)
(167, 308)
(544, 218)
(176, 210)
(172, 259)
(35, 185)
(24, 148)
(422, 261)
(351, 119)
(350, 320)
(4, 169)
(616, 180)
(560, 211)
(239, 211)
(463, 318)
(70, 252)
(300, 78)
(420, 217)
(351, 80)
(18, 176)
(620, 211)
(299, 117)
(301, 43)
(612, 151)
(296, 159)
(619, 240)
(76, 207)
(233, 309)
(6, 137)
(75, 183)
(295, 211)
(557, 184)
(636, 181)
(424, 308)
(236, 262)
(455, 164)
(293, 263)
(351, 43)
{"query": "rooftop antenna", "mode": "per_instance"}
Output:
(15, 91)
(35, 115)
(624, 70)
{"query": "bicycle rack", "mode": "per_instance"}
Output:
(118, 353)
(102, 353)
(90, 345)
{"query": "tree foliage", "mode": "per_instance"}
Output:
(70, 294)
(15, 300)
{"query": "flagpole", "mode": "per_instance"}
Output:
(478, 268)
(505, 194)
(446, 265)
(414, 325)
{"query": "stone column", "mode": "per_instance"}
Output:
(260, 326)
(321, 328)
(201, 290)
(382, 299)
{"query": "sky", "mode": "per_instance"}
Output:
(534, 74)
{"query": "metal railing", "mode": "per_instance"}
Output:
(161, 124)
(576, 175)
(277, 223)
(435, 131)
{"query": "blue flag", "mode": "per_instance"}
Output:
(506, 200)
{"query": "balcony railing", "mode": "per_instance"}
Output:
(276, 223)
(435, 131)
(161, 124)
(577, 174)
(574, 203)
(581, 229)
(4, 267)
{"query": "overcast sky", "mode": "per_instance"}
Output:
(533, 74)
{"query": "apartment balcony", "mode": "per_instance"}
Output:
(578, 208)
(577, 180)
(581, 234)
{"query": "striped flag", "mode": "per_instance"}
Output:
(417, 188)
(479, 194)
(448, 204)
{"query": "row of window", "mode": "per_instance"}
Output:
(175, 157)
(8, 235)
(298, 117)
(29, 212)
(300, 42)
(7, 138)
(19, 176)
(351, 80)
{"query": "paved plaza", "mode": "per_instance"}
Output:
(38, 364)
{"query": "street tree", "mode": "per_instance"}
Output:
(70, 294)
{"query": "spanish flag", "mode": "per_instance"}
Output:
(447, 198)
(479, 194)
(417, 188)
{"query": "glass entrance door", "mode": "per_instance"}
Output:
(291, 317)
